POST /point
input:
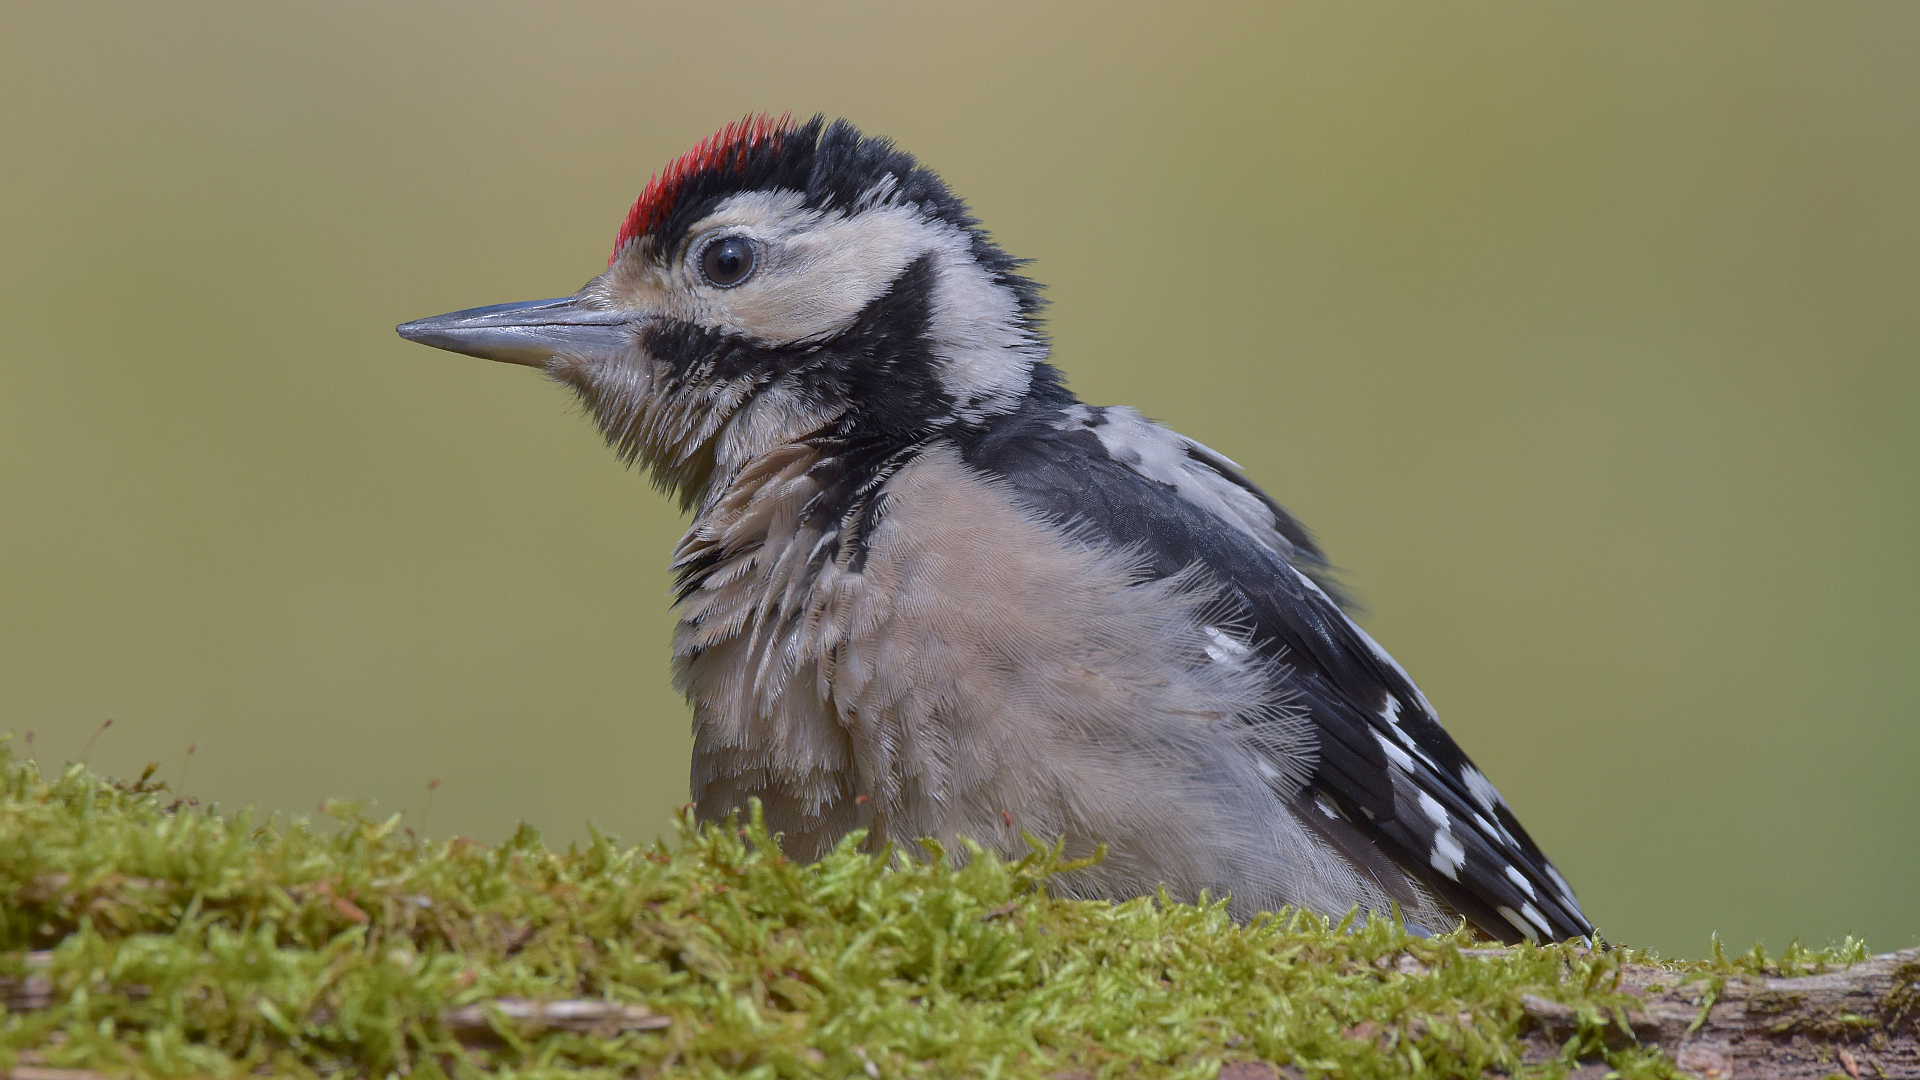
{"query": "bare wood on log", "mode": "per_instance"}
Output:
(603, 1017)
(1860, 1021)
(41, 1072)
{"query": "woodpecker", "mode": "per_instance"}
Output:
(928, 592)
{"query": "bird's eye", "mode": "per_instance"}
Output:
(728, 262)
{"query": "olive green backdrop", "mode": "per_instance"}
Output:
(1585, 335)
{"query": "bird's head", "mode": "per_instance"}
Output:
(778, 282)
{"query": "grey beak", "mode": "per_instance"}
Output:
(530, 333)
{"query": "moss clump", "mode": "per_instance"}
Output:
(169, 940)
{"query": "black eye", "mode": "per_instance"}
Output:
(726, 263)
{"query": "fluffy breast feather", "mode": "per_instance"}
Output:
(988, 673)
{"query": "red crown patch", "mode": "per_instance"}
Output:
(726, 148)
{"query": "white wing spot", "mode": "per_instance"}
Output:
(1566, 890)
(1448, 856)
(1519, 923)
(1533, 916)
(1491, 828)
(1494, 829)
(1390, 712)
(1481, 788)
(1520, 879)
(1379, 654)
(1394, 754)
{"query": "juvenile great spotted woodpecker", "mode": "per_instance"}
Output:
(926, 591)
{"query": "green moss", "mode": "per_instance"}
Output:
(180, 942)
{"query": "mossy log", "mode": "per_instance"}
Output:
(1861, 1021)
(142, 936)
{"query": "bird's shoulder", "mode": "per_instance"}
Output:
(1114, 469)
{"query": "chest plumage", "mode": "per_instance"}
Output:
(986, 674)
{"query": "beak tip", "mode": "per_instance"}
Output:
(529, 333)
(431, 332)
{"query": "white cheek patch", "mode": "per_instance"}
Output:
(818, 271)
(821, 270)
(977, 328)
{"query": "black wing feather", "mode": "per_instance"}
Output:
(1381, 749)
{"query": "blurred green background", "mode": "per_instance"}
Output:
(1587, 336)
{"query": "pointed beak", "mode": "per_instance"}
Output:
(530, 333)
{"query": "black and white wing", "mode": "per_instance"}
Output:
(1385, 765)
